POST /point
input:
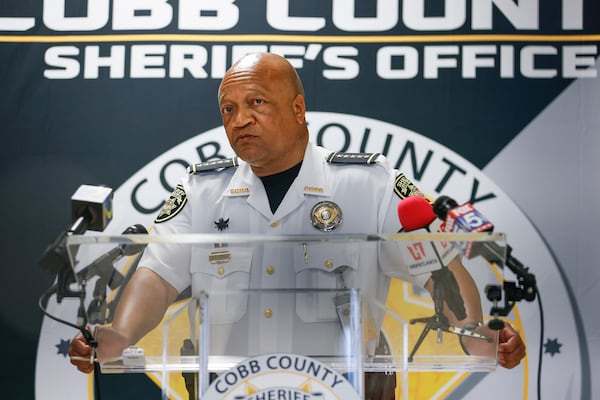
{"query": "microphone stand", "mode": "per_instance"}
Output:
(524, 289)
(439, 322)
(56, 259)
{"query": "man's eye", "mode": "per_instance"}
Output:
(258, 101)
(226, 109)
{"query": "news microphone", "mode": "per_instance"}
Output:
(467, 219)
(103, 265)
(463, 218)
(108, 275)
(415, 213)
(91, 208)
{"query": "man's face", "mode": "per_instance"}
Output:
(263, 117)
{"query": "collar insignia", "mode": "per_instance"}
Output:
(222, 224)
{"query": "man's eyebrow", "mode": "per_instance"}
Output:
(222, 97)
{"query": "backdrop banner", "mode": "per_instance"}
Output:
(493, 102)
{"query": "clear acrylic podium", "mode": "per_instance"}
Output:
(322, 322)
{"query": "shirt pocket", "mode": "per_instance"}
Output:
(323, 266)
(223, 273)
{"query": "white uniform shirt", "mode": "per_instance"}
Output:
(235, 200)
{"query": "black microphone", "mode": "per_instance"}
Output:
(415, 213)
(91, 208)
(103, 265)
(108, 275)
(463, 218)
(466, 219)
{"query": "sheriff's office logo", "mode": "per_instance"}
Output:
(404, 188)
(326, 216)
(281, 376)
(405, 300)
(173, 205)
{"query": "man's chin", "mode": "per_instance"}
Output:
(249, 155)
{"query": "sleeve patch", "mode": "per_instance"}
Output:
(173, 205)
(404, 188)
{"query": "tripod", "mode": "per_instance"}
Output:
(444, 288)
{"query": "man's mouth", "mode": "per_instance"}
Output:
(244, 138)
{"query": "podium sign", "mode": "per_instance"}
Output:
(293, 315)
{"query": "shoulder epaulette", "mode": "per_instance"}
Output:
(352, 158)
(215, 165)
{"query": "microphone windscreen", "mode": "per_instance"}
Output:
(135, 229)
(131, 249)
(415, 212)
(442, 205)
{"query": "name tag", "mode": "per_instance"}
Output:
(219, 256)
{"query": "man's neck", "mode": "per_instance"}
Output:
(284, 163)
(277, 185)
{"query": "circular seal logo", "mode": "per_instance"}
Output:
(435, 169)
(281, 376)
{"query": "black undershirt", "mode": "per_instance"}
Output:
(277, 185)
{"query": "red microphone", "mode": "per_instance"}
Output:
(415, 212)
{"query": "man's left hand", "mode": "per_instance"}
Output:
(511, 349)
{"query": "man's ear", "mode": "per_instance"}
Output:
(299, 108)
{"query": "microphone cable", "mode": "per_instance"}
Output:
(541, 347)
(89, 338)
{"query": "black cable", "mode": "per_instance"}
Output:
(97, 394)
(539, 377)
(541, 345)
(43, 302)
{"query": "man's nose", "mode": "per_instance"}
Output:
(243, 117)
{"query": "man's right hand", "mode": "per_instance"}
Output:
(80, 352)
(110, 346)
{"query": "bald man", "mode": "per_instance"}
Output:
(279, 184)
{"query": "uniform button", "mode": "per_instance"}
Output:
(221, 271)
(275, 224)
(268, 312)
(270, 270)
(328, 264)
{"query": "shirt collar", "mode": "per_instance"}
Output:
(311, 179)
